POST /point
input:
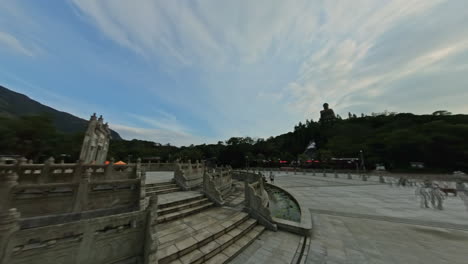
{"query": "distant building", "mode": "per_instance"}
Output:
(311, 150)
(417, 165)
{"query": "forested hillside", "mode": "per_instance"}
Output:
(438, 140)
(13, 104)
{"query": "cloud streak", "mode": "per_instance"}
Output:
(11, 42)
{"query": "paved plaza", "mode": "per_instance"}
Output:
(357, 221)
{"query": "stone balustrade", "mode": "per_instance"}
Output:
(73, 214)
(189, 175)
(55, 189)
(217, 183)
(256, 198)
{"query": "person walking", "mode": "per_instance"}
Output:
(272, 178)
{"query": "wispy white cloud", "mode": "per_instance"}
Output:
(238, 68)
(12, 43)
(158, 135)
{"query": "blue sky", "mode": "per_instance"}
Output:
(197, 71)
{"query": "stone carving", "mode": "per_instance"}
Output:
(92, 234)
(189, 176)
(327, 115)
(96, 141)
(217, 183)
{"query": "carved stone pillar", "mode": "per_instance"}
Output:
(151, 239)
(9, 217)
(81, 198)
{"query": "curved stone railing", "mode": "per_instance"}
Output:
(256, 198)
(189, 176)
(217, 182)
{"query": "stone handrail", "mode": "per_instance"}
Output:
(52, 189)
(51, 172)
(217, 182)
(256, 198)
(84, 240)
(189, 176)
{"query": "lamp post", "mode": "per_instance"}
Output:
(364, 177)
(363, 165)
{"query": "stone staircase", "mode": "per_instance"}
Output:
(181, 208)
(161, 188)
(214, 235)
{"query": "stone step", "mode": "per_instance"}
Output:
(225, 247)
(230, 252)
(181, 206)
(163, 191)
(179, 202)
(184, 212)
(202, 240)
(162, 187)
(159, 184)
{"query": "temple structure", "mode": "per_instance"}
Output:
(96, 141)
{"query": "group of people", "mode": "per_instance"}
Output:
(430, 193)
(272, 178)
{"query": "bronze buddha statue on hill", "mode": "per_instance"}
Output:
(327, 114)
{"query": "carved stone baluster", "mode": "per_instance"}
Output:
(44, 177)
(81, 198)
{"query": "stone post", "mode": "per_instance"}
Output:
(138, 167)
(81, 197)
(151, 240)
(336, 174)
(44, 177)
(349, 176)
(324, 173)
(381, 179)
(9, 217)
(313, 172)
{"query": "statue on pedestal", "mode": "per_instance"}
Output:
(327, 115)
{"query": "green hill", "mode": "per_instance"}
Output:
(13, 104)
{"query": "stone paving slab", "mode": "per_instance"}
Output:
(340, 239)
(270, 247)
(376, 199)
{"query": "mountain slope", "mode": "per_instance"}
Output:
(13, 104)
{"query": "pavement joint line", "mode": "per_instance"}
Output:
(391, 219)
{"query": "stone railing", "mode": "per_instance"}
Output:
(72, 191)
(189, 175)
(51, 172)
(217, 182)
(89, 237)
(256, 198)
